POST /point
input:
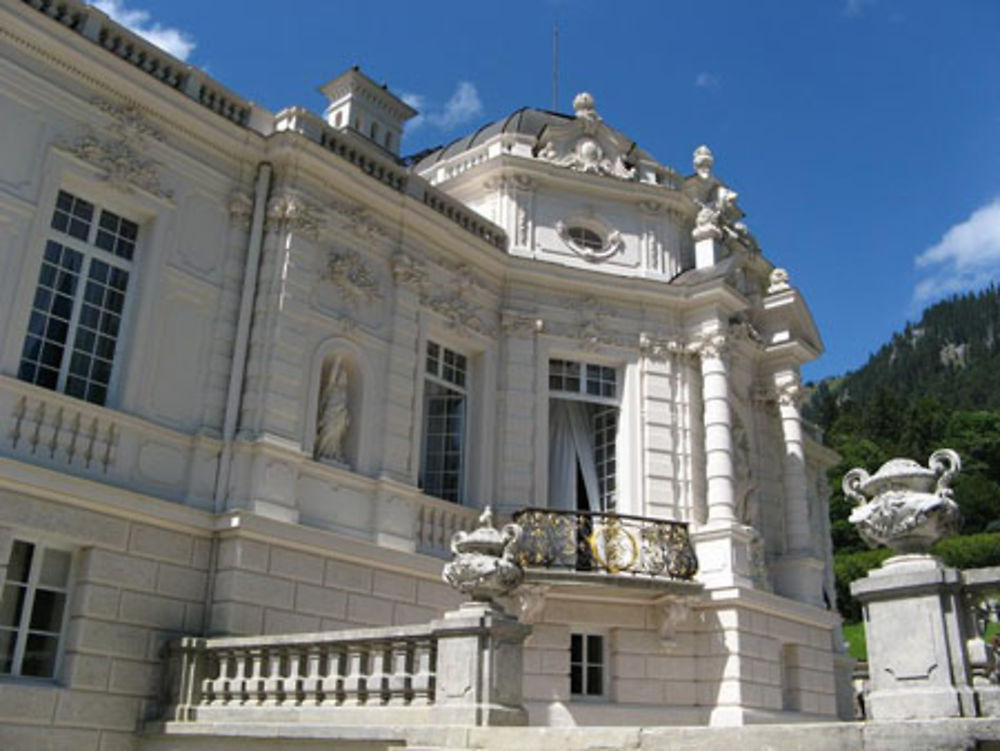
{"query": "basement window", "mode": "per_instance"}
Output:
(586, 665)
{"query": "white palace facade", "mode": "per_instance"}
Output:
(256, 369)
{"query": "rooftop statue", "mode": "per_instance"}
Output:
(905, 506)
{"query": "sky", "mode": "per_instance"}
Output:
(861, 135)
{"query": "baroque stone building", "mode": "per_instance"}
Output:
(256, 369)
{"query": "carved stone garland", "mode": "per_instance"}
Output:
(120, 153)
(347, 271)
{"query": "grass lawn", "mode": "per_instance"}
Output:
(858, 648)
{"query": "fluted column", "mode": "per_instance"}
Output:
(798, 534)
(720, 491)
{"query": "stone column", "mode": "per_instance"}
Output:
(720, 489)
(798, 535)
(799, 572)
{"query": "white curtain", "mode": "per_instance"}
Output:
(571, 444)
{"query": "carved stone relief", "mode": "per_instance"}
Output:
(290, 211)
(349, 273)
(120, 152)
(408, 271)
(241, 209)
(584, 146)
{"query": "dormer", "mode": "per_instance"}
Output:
(367, 108)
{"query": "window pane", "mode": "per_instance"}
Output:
(47, 610)
(40, 656)
(55, 568)
(595, 681)
(8, 640)
(576, 679)
(576, 648)
(595, 650)
(12, 605)
(20, 561)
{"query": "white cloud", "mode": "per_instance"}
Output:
(463, 106)
(854, 8)
(706, 80)
(178, 43)
(967, 256)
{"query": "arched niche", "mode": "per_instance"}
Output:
(336, 395)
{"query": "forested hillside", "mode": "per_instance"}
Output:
(935, 384)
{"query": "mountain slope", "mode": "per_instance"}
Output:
(935, 384)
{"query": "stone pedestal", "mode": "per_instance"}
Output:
(916, 650)
(479, 666)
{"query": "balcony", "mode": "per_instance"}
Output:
(586, 551)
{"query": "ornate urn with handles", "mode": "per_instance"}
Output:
(484, 567)
(905, 506)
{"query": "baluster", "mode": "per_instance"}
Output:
(399, 684)
(112, 445)
(422, 681)
(70, 437)
(218, 688)
(273, 685)
(255, 684)
(421, 530)
(377, 680)
(354, 680)
(18, 414)
(240, 679)
(53, 441)
(90, 440)
(38, 425)
(333, 675)
(312, 681)
(293, 683)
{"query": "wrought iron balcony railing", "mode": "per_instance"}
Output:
(596, 541)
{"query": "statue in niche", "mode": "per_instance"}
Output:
(334, 416)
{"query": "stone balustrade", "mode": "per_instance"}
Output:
(53, 430)
(413, 675)
(70, 431)
(265, 677)
(437, 521)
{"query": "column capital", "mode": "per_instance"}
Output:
(789, 391)
(711, 346)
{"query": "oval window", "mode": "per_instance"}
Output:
(585, 238)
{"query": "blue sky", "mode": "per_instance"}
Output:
(860, 134)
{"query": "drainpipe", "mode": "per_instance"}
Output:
(237, 371)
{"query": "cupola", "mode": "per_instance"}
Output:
(369, 109)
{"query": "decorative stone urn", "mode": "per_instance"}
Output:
(905, 506)
(484, 567)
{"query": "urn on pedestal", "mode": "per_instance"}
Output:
(905, 506)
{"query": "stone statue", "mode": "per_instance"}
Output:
(905, 506)
(334, 413)
(483, 566)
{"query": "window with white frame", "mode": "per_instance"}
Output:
(33, 610)
(442, 472)
(586, 665)
(76, 313)
(583, 433)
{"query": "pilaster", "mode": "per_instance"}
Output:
(399, 460)
(799, 572)
(516, 412)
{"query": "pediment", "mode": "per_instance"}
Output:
(586, 144)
